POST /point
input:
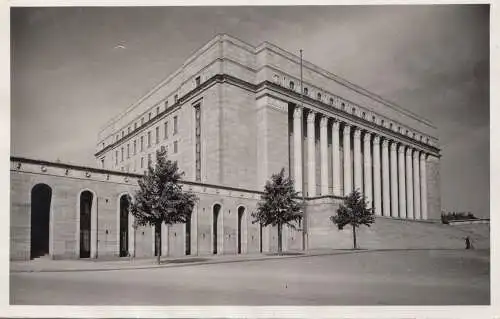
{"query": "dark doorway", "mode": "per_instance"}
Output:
(41, 195)
(260, 237)
(86, 198)
(158, 240)
(215, 226)
(241, 212)
(124, 212)
(188, 235)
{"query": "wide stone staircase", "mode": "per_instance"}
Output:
(387, 233)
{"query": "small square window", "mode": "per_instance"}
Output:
(306, 91)
(319, 96)
(291, 85)
(149, 116)
(175, 147)
(157, 110)
(331, 101)
(198, 81)
(176, 98)
(166, 104)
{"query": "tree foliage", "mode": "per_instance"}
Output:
(353, 212)
(160, 197)
(278, 205)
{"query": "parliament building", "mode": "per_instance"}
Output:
(231, 116)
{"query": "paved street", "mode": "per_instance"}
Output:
(439, 277)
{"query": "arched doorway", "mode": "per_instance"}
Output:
(86, 199)
(124, 212)
(216, 214)
(241, 212)
(41, 196)
(188, 235)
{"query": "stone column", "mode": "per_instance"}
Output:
(423, 185)
(347, 160)
(368, 169)
(336, 158)
(409, 184)
(416, 184)
(311, 154)
(385, 178)
(394, 180)
(377, 193)
(324, 154)
(297, 148)
(358, 168)
(402, 190)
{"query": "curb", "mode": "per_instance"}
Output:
(228, 261)
(155, 266)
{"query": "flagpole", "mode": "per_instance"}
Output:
(304, 225)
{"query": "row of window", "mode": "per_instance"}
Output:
(176, 99)
(142, 158)
(121, 155)
(291, 86)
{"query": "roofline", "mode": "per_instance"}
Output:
(265, 44)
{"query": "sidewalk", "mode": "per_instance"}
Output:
(49, 265)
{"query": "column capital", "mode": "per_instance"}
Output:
(401, 149)
(324, 121)
(408, 151)
(297, 112)
(367, 137)
(335, 124)
(311, 116)
(416, 155)
(376, 139)
(385, 142)
(423, 156)
(393, 146)
(357, 132)
(347, 128)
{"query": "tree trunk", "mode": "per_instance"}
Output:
(354, 236)
(135, 241)
(157, 243)
(280, 249)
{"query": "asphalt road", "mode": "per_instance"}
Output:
(360, 278)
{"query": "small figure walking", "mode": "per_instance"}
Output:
(467, 243)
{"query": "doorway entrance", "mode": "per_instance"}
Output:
(216, 214)
(41, 196)
(124, 212)
(86, 198)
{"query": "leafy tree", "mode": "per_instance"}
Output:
(160, 198)
(278, 205)
(353, 212)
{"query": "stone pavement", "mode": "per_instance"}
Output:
(49, 265)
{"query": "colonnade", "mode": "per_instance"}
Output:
(391, 174)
